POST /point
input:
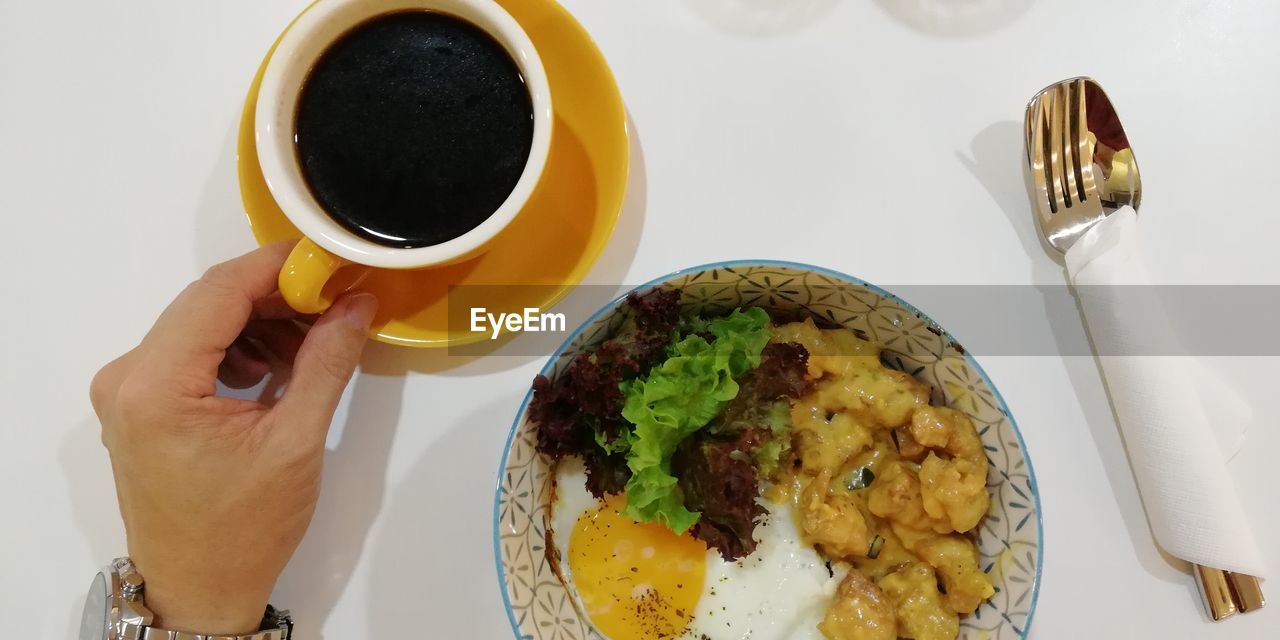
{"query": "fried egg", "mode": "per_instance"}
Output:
(639, 581)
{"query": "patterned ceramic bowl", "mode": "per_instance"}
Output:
(1009, 540)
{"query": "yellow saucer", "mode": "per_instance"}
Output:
(557, 236)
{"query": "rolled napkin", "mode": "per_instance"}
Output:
(1177, 459)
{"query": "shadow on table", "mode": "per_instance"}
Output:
(995, 157)
(87, 471)
(433, 561)
(615, 261)
(351, 498)
(222, 228)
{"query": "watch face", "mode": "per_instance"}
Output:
(97, 610)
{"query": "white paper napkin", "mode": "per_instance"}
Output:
(1160, 403)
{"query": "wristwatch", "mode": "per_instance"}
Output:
(114, 610)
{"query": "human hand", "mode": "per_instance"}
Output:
(217, 492)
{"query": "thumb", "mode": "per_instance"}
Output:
(326, 360)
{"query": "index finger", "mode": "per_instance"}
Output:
(196, 329)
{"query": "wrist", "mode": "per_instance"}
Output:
(188, 598)
(198, 611)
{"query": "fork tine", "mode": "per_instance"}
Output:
(1061, 199)
(1084, 149)
(1039, 162)
(1070, 158)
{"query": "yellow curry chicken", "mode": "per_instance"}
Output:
(888, 483)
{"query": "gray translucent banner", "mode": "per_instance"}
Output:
(997, 320)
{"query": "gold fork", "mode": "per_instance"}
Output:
(1081, 170)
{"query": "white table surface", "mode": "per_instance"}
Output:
(885, 150)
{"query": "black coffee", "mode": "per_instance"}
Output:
(412, 128)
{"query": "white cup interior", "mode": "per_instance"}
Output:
(300, 47)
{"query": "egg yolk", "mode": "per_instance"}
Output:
(637, 581)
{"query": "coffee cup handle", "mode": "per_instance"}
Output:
(307, 272)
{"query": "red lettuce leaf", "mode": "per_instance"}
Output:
(584, 403)
(719, 480)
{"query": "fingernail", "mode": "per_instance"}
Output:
(359, 309)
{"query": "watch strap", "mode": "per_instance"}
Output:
(276, 625)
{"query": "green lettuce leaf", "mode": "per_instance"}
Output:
(680, 396)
